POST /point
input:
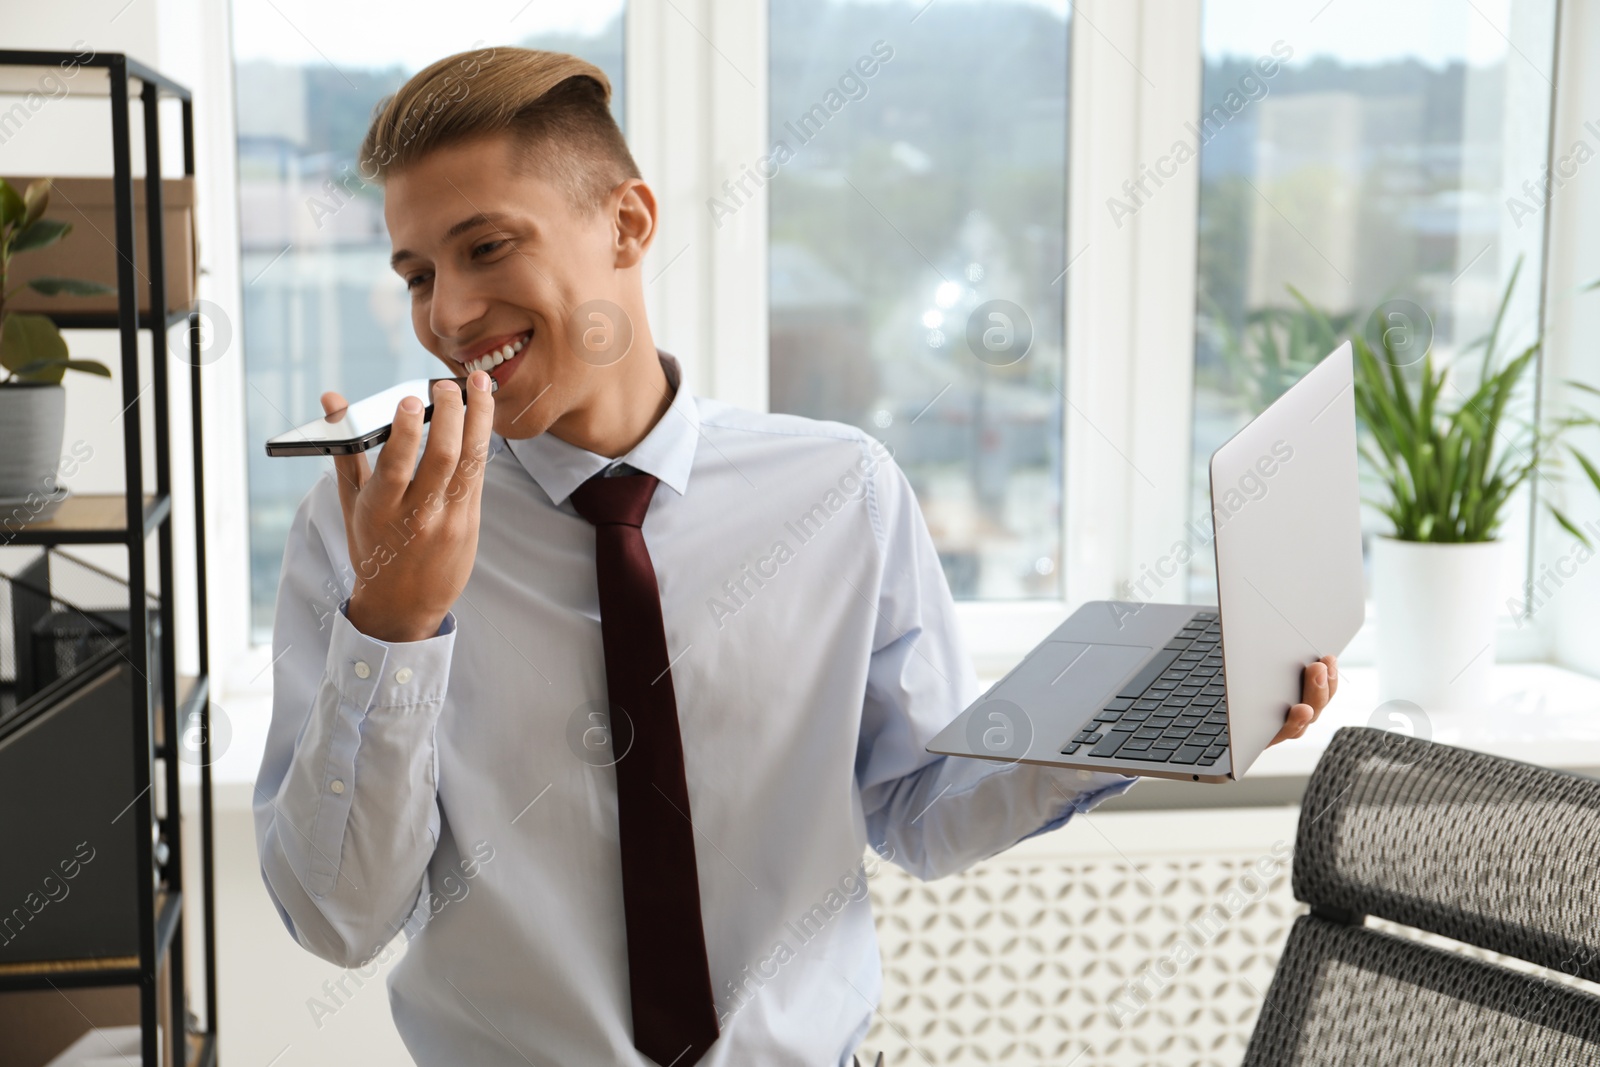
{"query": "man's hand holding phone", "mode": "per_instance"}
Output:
(413, 539)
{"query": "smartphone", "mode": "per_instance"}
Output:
(361, 425)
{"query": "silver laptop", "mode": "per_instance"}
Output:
(1193, 692)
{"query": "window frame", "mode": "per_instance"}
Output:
(696, 99)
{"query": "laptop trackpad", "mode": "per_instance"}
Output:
(1062, 678)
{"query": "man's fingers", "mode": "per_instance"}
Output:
(392, 474)
(1300, 716)
(352, 471)
(475, 438)
(1316, 687)
(443, 451)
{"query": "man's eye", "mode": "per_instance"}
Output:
(415, 280)
(490, 245)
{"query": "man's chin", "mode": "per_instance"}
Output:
(515, 420)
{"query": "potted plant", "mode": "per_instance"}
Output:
(34, 355)
(1449, 462)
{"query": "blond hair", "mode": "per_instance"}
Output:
(554, 106)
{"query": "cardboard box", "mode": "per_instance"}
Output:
(36, 1026)
(90, 250)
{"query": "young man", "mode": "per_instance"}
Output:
(602, 697)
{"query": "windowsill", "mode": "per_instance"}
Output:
(1537, 712)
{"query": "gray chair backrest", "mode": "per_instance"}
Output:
(1483, 850)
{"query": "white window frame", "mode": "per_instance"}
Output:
(696, 99)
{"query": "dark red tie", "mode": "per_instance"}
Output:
(674, 1015)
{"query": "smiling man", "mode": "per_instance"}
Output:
(598, 691)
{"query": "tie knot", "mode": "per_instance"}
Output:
(621, 500)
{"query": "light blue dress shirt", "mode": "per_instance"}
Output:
(459, 790)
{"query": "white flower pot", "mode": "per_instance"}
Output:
(33, 421)
(1436, 621)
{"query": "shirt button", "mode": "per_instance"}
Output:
(403, 675)
(337, 785)
(361, 668)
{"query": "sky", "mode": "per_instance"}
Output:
(344, 32)
(1365, 31)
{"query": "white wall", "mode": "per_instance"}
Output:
(1573, 324)
(266, 981)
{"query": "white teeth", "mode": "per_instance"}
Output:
(493, 359)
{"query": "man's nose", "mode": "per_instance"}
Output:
(455, 306)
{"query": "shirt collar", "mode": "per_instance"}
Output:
(667, 451)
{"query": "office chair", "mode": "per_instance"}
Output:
(1497, 854)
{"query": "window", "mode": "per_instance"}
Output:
(916, 252)
(1373, 158)
(322, 310)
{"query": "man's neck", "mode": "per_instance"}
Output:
(626, 409)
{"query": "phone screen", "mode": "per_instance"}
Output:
(360, 426)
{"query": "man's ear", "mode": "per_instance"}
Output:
(634, 220)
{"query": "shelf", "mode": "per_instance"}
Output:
(94, 72)
(192, 689)
(103, 971)
(135, 93)
(91, 519)
(202, 1050)
(169, 912)
(110, 320)
(97, 971)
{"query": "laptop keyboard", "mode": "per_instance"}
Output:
(1173, 711)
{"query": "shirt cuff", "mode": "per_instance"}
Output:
(370, 673)
(1093, 787)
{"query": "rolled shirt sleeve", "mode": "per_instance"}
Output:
(346, 807)
(940, 814)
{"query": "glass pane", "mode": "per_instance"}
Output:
(918, 193)
(322, 309)
(1366, 155)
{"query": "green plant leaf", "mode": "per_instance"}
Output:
(1566, 524)
(1491, 339)
(1588, 468)
(28, 339)
(88, 366)
(12, 208)
(36, 198)
(50, 286)
(39, 234)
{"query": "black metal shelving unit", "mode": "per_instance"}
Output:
(129, 519)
